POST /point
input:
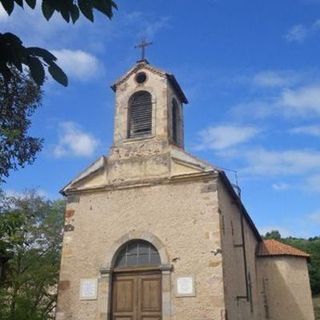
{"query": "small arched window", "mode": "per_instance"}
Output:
(140, 114)
(175, 120)
(137, 253)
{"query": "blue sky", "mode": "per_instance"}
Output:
(250, 70)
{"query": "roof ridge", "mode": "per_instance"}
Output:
(272, 247)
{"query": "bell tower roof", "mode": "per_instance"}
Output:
(144, 64)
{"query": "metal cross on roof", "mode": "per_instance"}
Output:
(143, 46)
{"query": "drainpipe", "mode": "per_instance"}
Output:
(243, 246)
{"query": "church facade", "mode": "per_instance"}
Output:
(152, 232)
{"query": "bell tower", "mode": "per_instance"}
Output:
(148, 109)
(148, 139)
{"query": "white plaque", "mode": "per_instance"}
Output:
(185, 287)
(88, 289)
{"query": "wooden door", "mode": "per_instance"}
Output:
(136, 296)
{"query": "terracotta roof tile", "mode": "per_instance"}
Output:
(276, 248)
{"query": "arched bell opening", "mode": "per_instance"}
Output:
(140, 115)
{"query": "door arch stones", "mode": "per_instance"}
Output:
(107, 273)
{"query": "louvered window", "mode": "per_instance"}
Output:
(175, 119)
(137, 253)
(140, 115)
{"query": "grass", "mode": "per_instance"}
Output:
(316, 304)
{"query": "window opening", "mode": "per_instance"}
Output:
(175, 119)
(141, 77)
(137, 253)
(140, 115)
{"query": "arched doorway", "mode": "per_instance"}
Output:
(136, 282)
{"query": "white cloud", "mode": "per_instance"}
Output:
(294, 102)
(299, 33)
(287, 162)
(315, 217)
(147, 25)
(225, 136)
(150, 29)
(281, 186)
(73, 141)
(3, 14)
(309, 130)
(34, 29)
(257, 109)
(302, 100)
(313, 183)
(271, 78)
(78, 64)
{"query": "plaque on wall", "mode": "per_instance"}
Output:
(88, 289)
(185, 287)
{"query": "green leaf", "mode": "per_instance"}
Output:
(47, 9)
(85, 7)
(6, 73)
(65, 10)
(43, 53)
(12, 38)
(114, 5)
(74, 13)
(19, 2)
(58, 74)
(31, 3)
(8, 5)
(104, 6)
(18, 65)
(36, 70)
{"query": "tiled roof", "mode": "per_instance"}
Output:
(276, 248)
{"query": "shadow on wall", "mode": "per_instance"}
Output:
(316, 305)
(285, 289)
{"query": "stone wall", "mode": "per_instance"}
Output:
(157, 86)
(240, 285)
(285, 289)
(184, 219)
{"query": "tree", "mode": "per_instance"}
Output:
(14, 53)
(19, 98)
(274, 234)
(31, 236)
(19, 95)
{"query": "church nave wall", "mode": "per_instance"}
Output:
(183, 216)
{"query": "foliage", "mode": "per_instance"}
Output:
(19, 98)
(274, 234)
(13, 53)
(19, 93)
(31, 235)
(312, 247)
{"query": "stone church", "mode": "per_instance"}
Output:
(152, 232)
